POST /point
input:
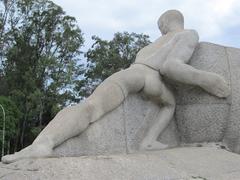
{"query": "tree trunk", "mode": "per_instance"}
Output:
(22, 133)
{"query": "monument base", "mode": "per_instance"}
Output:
(177, 163)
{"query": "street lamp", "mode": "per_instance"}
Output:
(3, 133)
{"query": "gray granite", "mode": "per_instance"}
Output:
(106, 136)
(140, 113)
(202, 122)
(209, 163)
(232, 137)
(199, 116)
(207, 57)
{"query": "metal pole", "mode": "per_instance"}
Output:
(3, 133)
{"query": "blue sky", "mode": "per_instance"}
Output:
(217, 21)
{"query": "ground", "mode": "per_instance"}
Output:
(208, 162)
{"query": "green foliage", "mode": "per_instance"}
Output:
(40, 68)
(40, 61)
(108, 57)
(45, 47)
(12, 116)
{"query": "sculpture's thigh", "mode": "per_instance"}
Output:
(131, 80)
(112, 92)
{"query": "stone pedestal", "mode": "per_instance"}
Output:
(173, 164)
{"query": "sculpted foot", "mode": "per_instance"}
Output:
(216, 85)
(156, 145)
(32, 151)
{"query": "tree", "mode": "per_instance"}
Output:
(12, 115)
(42, 63)
(6, 10)
(107, 57)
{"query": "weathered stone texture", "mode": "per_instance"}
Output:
(199, 116)
(173, 164)
(232, 137)
(202, 117)
(105, 136)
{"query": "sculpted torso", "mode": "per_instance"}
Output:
(155, 54)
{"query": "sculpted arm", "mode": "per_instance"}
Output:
(175, 67)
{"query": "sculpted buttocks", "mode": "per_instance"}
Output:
(167, 56)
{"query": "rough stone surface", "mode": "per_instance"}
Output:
(232, 137)
(208, 57)
(202, 122)
(199, 116)
(120, 131)
(173, 164)
(106, 136)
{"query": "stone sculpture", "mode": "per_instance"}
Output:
(166, 57)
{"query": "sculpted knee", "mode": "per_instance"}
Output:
(118, 85)
(94, 109)
(69, 112)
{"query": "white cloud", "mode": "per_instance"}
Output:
(211, 18)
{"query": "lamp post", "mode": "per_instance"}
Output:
(3, 133)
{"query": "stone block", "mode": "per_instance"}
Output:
(202, 122)
(179, 163)
(104, 137)
(232, 137)
(199, 116)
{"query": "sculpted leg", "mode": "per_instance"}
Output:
(161, 95)
(211, 82)
(150, 142)
(71, 121)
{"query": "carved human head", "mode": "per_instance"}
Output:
(171, 20)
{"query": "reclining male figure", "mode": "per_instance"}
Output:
(166, 56)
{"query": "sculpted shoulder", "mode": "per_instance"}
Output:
(189, 36)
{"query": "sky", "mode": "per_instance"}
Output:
(217, 21)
